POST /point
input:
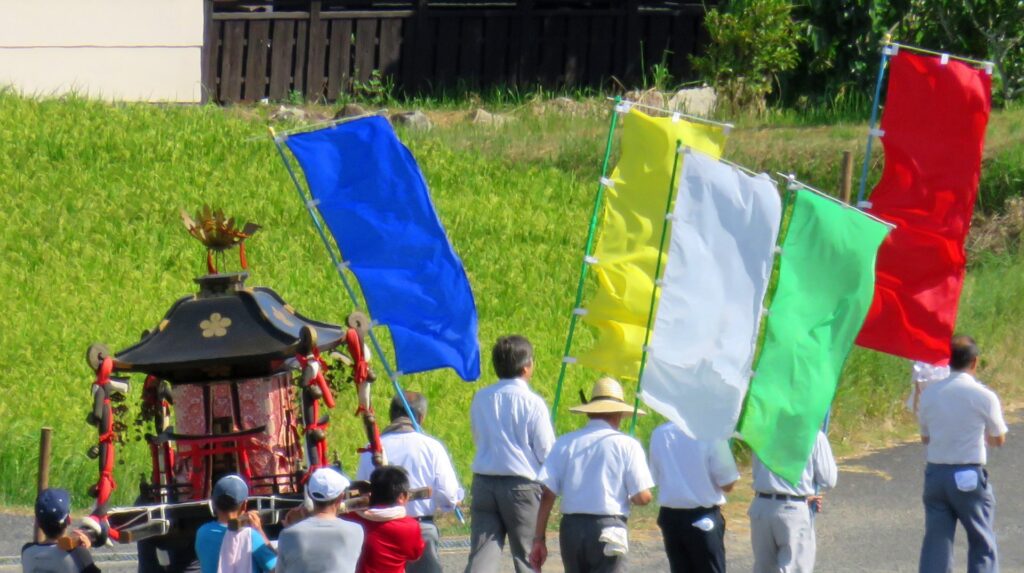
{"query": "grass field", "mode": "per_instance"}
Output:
(94, 251)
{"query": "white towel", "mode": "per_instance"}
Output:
(236, 552)
(615, 539)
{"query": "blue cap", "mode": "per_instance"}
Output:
(232, 487)
(53, 506)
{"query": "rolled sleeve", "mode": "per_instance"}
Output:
(722, 464)
(638, 475)
(446, 484)
(365, 467)
(550, 474)
(995, 425)
(542, 435)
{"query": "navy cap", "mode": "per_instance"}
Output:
(232, 487)
(53, 506)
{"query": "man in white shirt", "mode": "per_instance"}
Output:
(693, 477)
(781, 521)
(598, 471)
(512, 434)
(958, 416)
(426, 461)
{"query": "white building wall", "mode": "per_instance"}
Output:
(130, 50)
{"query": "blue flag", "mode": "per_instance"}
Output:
(375, 202)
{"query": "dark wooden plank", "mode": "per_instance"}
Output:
(551, 51)
(447, 50)
(529, 24)
(630, 70)
(317, 53)
(390, 47)
(576, 49)
(656, 42)
(339, 61)
(495, 62)
(414, 46)
(256, 60)
(211, 50)
(301, 55)
(684, 42)
(366, 48)
(599, 57)
(233, 63)
(472, 46)
(281, 46)
(290, 15)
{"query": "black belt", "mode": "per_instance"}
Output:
(425, 519)
(782, 496)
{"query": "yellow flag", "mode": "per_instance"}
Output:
(627, 248)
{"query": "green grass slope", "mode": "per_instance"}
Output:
(93, 250)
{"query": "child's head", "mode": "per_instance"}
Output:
(389, 485)
(326, 487)
(229, 494)
(53, 511)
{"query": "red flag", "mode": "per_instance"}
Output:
(934, 130)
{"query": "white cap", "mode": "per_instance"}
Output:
(326, 484)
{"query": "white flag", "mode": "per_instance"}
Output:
(719, 264)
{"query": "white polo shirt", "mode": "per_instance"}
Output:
(820, 471)
(511, 430)
(956, 414)
(690, 473)
(596, 469)
(428, 464)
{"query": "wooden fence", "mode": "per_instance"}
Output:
(323, 48)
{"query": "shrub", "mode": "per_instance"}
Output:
(752, 41)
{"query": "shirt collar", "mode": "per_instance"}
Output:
(596, 424)
(514, 382)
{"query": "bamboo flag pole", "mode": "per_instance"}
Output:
(654, 289)
(43, 477)
(584, 265)
(340, 267)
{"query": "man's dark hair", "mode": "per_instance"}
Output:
(226, 503)
(511, 355)
(963, 350)
(387, 483)
(417, 401)
(53, 530)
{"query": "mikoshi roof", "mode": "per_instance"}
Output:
(225, 331)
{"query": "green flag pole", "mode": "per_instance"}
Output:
(574, 317)
(654, 290)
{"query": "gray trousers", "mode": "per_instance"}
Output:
(782, 536)
(502, 506)
(944, 504)
(430, 562)
(582, 552)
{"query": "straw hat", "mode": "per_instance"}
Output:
(605, 398)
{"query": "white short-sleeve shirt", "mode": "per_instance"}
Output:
(596, 469)
(956, 414)
(690, 473)
(511, 430)
(428, 464)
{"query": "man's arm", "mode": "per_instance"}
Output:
(542, 434)
(539, 552)
(925, 439)
(996, 441)
(995, 425)
(447, 489)
(642, 498)
(825, 471)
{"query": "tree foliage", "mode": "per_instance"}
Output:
(752, 42)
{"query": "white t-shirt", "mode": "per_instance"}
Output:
(511, 430)
(690, 473)
(956, 414)
(318, 544)
(428, 464)
(596, 469)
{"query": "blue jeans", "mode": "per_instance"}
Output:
(945, 502)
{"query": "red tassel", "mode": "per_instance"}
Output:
(209, 263)
(241, 256)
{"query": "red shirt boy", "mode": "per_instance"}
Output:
(390, 538)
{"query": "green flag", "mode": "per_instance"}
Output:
(826, 282)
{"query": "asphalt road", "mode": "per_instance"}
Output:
(873, 521)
